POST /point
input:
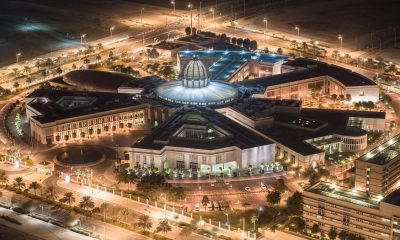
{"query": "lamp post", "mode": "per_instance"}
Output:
(212, 10)
(165, 204)
(190, 6)
(18, 55)
(173, 4)
(82, 37)
(141, 16)
(244, 230)
(111, 30)
(266, 27)
(298, 30)
(341, 42)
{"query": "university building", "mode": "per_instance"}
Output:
(344, 209)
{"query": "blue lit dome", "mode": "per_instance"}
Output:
(195, 88)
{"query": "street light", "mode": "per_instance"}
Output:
(82, 37)
(212, 10)
(266, 27)
(141, 16)
(17, 55)
(173, 4)
(341, 42)
(298, 30)
(111, 30)
(190, 6)
(165, 204)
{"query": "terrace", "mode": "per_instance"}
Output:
(384, 153)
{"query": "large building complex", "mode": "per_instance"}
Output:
(303, 77)
(378, 171)
(195, 138)
(303, 136)
(63, 116)
(357, 212)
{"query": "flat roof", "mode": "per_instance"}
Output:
(62, 104)
(393, 198)
(384, 153)
(329, 122)
(200, 119)
(311, 69)
(345, 194)
(227, 62)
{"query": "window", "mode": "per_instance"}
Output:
(180, 165)
(270, 93)
(294, 89)
(193, 166)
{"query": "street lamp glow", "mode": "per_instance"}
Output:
(111, 31)
(298, 30)
(341, 42)
(213, 14)
(190, 6)
(67, 179)
(82, 37)
(141, 16)
(173, 4)
(18, 55)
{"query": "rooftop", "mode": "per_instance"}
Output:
(55, 105)
(393, 198)
(201, 128)
(227, 62)
(168, 45)
(384, 153)
(346, 194)
(310, 69)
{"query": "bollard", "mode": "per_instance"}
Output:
(209, 220)
(113, 191)
(138, 198)
(219, 224)
(155, 204)
(122, 194)
(105, 189)
(147, 202)
(191, 216)
(173, 209)
(229, 227)
(130, 196)
(97, 187)
(182, 211)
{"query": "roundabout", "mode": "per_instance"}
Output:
(78, 156)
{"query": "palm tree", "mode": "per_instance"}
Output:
(205, 201)
(35, 186)
(86, 203)
(4, 178)
(19, 183)
(103, 208)
(68, 198)
(51, 193)
(293, 44)
(124, 213)
(144, 222)
(254, 219)
(163, 226)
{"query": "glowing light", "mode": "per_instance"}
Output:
(16, 164)
(67, 179)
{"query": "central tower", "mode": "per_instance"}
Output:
(194, 74)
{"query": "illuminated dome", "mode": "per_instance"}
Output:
(194, 74)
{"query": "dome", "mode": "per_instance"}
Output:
(195, 74)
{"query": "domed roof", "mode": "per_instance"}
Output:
(194, 70)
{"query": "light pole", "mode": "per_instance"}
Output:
(141, 16)
(244, 230)
(216, 5)
(82, 37)
(298, 30)
(341, 42)
(212, 10)
(165, 204)
(244, 7)
(111, 30)
(266, 27)
(190, 6)
(173, 4)
(17, 55)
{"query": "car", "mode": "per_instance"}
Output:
(247, 189)
(263, 187)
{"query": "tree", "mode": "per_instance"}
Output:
(110, 54)
(98, 57)
(332, 234)
(280, 185)
(4, 178)
(205, 201)
(274, 197)
(124, 213)
(342, 235)
(234, 40)
(334, 97)
(188, 30)
(86, 203)
(68, 198)
(51, 193)
(253, 45)
(294, 203)
(73, 66)
(19, 183)
(103, 209)
(315, 228)
(239, 41)
(86, 61)
(16, 84)
(59, 70)
(279, 51)
(223, 36)
(154, 53)
(293, 44)
(144, 222)
(163, 226)
(35, 186)
(246, 43)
